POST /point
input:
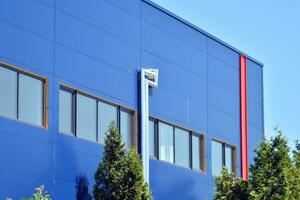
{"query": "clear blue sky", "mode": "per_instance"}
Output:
(268, 31)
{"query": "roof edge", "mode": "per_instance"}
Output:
(173, 15)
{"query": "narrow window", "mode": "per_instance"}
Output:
(126, 128)
(30, 100)
(65, 112)
(216, 157)
(196, 153)
(166, 147)
(86, 117)
(228, 158)
(222, 155)
(182, 156)
(151, 138)
(8, 91)
(106, 114)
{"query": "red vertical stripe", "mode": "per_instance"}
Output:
(244, 124)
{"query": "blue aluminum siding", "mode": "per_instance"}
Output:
(255, 106)
(98, 46)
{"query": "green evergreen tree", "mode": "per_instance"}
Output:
(273, 175)
(295, 174)
(109, 175)
(229, 187)
(137, 189)
(270, 174)
(120, 174)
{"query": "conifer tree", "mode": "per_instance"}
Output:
(295, 174)
(137, 189)
(109, 175)
(274, 175)
(120, 174)
(270, 174)
(230, 187)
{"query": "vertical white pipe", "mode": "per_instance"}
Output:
(144, 125)
(145, 84)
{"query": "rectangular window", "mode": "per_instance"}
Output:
(222, 155)
(89, 117)
(106, 114)
(8, 91)
(86, 117)
(22, 96)
(196, 153)
(151, 138)
(30, 100)
(182, 150)
(126, 128)
(176, 145)
(166, 147)
(65, 111)
(216, 157)
(228, 158)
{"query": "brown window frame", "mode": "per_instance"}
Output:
(44, 80)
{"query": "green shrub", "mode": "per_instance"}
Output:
(40, 194)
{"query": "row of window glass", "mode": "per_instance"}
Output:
(84, 116)
(88, 117)
(22, 96)
(222, 155)
(176, 145)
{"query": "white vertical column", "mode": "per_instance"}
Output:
(148, 79)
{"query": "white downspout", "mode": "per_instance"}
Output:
(149, 78)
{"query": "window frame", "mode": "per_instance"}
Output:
(173, 141)
(202, 153)
(44, 94)
(190, 133)
(131, 113)
(233, 154)
(98, 99)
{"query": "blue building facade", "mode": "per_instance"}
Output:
(96, 49)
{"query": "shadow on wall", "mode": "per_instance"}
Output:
(82, 188)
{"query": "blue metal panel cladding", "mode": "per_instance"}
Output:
(98, 46)
(255, 106)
